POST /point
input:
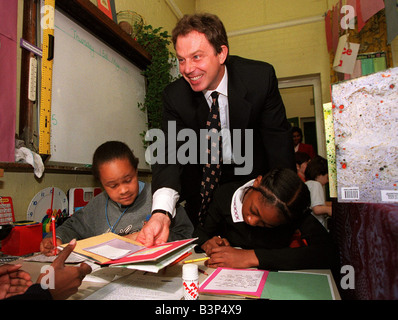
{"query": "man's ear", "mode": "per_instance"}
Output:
(222, 56)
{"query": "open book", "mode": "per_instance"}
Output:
(110, 249)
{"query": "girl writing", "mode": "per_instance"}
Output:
(253, 225)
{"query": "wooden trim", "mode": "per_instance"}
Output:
(26, 107)
(25, 167)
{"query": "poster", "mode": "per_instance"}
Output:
(365, 119)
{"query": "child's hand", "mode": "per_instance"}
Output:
(13, 281)
(230, 257)
(214, 243)
(47, 248)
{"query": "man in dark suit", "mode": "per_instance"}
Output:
(249, 103)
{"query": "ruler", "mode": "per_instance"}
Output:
(47, 23)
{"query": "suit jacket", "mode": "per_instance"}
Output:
(254, 103)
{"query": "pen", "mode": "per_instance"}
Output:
(196, 260)
(53, 224)
(180, 258)
(54, 236)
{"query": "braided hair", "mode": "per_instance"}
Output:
(284, 189)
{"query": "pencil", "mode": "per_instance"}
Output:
(202, 271)
(196, 260)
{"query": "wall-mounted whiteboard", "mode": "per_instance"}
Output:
(94, 98)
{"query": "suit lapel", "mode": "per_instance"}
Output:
(202, 110)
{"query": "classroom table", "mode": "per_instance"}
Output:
(103, 276)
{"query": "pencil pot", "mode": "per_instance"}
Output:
(190, 281)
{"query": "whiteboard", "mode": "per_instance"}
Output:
(94, 97)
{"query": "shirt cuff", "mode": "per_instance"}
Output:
(165, 199)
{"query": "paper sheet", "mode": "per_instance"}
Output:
(298, 286)
(73, 258)
(114, 249)
(247, 282)
(139, 286)
(155, 266)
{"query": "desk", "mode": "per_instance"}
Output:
(103, 276)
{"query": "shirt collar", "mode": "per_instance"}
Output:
(222, 87)
(237, 202)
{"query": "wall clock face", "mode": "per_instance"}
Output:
(41, 202)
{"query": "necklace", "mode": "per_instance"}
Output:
(117, 221)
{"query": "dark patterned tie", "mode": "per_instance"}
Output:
(211, 170)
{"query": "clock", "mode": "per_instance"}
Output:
(41, 202)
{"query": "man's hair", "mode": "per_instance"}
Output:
(208, 24)
(109, 151)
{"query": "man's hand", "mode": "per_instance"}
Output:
(67, 278)
(132, 236)
(13, 281)
(155, 231)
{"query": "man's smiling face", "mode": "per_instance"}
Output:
(201, 66)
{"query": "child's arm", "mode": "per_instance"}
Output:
(322, 209)
(214, 243)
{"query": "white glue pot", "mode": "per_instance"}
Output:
(190, 281)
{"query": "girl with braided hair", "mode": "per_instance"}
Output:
(253, 226)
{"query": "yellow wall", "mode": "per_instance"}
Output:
(293, 51)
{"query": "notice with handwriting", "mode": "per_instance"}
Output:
(246, 282)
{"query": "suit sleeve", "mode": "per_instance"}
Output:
(166, 172)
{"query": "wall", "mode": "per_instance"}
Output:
(293, 51)
(299, 101)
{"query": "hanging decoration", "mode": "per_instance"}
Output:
(361, 27)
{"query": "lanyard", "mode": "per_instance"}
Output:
(117, 221)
